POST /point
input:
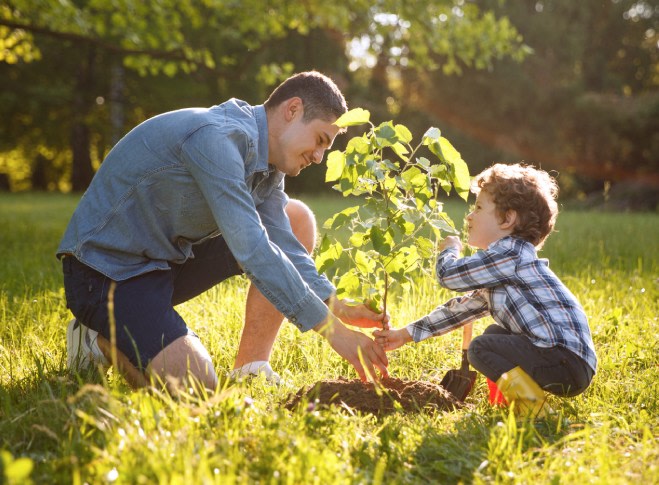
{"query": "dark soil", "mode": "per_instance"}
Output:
(392, 395)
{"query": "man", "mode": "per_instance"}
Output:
(188, 199)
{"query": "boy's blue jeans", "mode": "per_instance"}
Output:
(555, 369)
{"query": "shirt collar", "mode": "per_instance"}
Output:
(262, 125)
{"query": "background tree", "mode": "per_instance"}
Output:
(208, 50)
(585, 103)
(77, 75)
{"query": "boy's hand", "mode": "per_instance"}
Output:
(450, 242)
(392, 339)
(357, 315)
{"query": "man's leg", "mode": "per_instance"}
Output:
(151, 337)
(182, 361)
(262, 320)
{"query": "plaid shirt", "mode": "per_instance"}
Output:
(519, 291)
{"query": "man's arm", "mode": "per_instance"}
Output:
(276, 222)
(215, 159)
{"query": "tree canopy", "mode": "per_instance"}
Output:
(555, 82)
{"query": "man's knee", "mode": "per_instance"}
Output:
(181, 360)
(303, 223)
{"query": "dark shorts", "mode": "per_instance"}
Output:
(144, 314)
(556, 369)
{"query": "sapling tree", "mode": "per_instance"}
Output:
(398, 217)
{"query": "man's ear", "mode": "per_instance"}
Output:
(509, 220)
(293, 108)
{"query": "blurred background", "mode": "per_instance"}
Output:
(569, 86)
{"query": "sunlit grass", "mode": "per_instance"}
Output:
(96, 430)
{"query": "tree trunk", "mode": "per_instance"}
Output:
(117, 88)
(82, 171)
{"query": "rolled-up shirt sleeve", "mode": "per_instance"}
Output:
(216, 161)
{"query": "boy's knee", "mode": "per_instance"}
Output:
(303, 223)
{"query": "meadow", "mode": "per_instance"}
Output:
(56, 427)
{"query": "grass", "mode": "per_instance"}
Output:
(60, 428)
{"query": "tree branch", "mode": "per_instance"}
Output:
(175, 55)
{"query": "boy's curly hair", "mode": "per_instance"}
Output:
(530, 192)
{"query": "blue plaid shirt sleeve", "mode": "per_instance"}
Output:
(451, 315)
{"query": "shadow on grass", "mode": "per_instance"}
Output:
(489, 447)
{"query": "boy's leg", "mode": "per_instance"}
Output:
(555, 369)
(262, 320)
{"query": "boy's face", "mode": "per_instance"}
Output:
(298, 144)
(484, 224)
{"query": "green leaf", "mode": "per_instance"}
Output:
(413, 177)
(424, 246)
(385, 135)
(356, 116)
(340, 218)
(404, 135)
(380, 242)
(328, 254)
(400, 150)
(364, 264)
(348, 283)
(424, 162)
(431, 136)
(358, 239)
(358, 144)
(460, 171)
(451, 155)
(336, 161)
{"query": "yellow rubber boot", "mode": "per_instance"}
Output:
(516, 385)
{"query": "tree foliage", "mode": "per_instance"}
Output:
(398, 190)
(219, 48)
(586, 103)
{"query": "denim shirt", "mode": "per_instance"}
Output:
(187, 175)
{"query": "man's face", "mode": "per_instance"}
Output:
(300, 144)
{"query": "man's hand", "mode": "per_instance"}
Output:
(357, 315)
(450, 242)
(392, 339)
(358, 349)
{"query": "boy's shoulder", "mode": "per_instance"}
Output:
(515, 246)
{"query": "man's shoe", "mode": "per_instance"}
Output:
(257, 368)
(82, 350)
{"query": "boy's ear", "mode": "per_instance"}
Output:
(509, 220)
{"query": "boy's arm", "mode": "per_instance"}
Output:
(451, 315)
(485, 269)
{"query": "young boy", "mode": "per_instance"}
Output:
(541, 340)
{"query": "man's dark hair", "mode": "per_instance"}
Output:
(320, 97)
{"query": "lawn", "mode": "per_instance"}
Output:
(60, 428)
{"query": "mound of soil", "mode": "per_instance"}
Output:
(391, 395)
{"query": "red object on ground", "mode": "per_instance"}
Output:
(496, 398)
